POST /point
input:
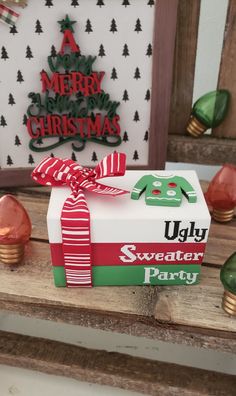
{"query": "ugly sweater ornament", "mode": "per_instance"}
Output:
(164, 190)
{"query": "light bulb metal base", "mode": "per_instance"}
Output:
(12, 254)
(195, 128)
(229, 303)
(222, 216)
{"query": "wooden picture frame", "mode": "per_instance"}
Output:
(162, 66)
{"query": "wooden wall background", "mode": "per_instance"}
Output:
(220, 146)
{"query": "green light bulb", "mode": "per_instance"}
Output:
(208, 111)
(228, 278)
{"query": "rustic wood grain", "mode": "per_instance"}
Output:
(163, 58)
(111, 368)
(133, 325)
(206, 150)
(227, 75)
(16, 177)
(190, 315)
(30, 287)
(184, 65)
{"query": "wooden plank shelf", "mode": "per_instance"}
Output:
(111, 368)
(186, 315)
(206, 150)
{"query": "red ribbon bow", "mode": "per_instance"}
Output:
(75, 216)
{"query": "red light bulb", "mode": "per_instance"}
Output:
(221, 194)
(15, 230)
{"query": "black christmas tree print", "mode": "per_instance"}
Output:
(100, 3)
(125, 96)
(13, 30)
(30, 159)
(149, 50)
(151, 3)
(52, 155)
(125, 137)
(11, 100)
(125, 50)
(17, 141)
(88, 28)
(4, 54)
(53, 51)
(19, 77)
(101, 52)
(146, 136)
(137, 74)
(94, 157)
(126, 3)
(148, 95)
(3, 122)
(73, 156)
(9, 160)
(113, 27)
(135, 156)
(29, 54)
(73, 107)
(114, 74)
(138, 27)
(25, 118)
(136, 116)
(75, 3)
(48, 3)
(38, 27)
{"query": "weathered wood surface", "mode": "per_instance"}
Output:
(11, 177)
(227, 75)
(206, 150)
(184, 65)
(190, 315)
(29, 289)
(162, 73)
(111, 368)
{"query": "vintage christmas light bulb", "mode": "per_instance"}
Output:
(15, 230)
(221, 194)
(208, 112)
(228, 278)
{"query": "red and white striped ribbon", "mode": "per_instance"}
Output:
(75, 216)
(7, 15)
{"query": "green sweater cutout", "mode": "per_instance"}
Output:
(164, 190)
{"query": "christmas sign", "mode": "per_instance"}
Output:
(73, 93)
(133, 52)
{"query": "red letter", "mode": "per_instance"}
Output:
(56, 125)
(98, 77)
(77, 79)
(72, 127)
(107, 127)
(46, 125)
(48, 84)
(65, 88)
(116, 125)
(94, 126)
(68, 40)
(89, 85)
(34, 134)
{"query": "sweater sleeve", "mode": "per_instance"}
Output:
(139, 188)
(188, 190)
